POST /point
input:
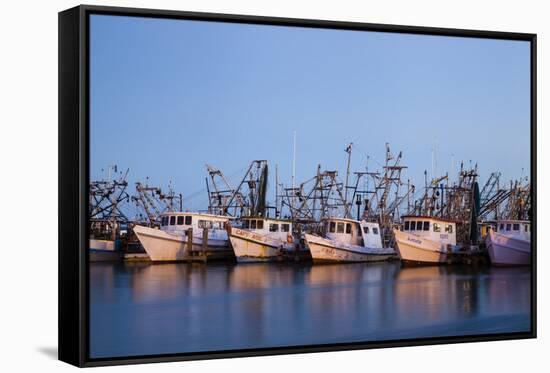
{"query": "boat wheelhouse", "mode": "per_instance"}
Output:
(426, 239)
(184, 235)
(348, 240)
(509, 243)
(261, 239)
(514, 228)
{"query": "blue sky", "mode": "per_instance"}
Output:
(169, 96)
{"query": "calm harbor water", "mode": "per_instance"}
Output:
(140, 308)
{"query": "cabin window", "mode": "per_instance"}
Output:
(340, 228)
(508, 227)
(180, 220)
(260, 224)
(375, 231)
(413, 226)
(426, 225)
(246, 224)
(359, 233)
(332, 227)
(205, 224)
(449, 228)
(252, 224)
(501, 227)
(366, 230)
(526, 229)
(188, 220)
(516, 227)
(163, 221)
(407, 225)
(348, 228)
(285, 227)
(172, 220)
(437, 227)
(274, 227)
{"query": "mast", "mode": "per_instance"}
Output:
(277, 212)
(293, 168)
(348, 150)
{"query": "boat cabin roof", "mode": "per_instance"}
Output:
(271, 220)
(426, 217)
(511, 221)
(198, 215)
(346, 220)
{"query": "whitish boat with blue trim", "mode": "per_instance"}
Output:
(510, 243)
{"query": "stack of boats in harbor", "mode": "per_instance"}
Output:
(371, 216)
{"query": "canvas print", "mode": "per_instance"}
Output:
(256, 186)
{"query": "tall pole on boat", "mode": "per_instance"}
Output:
(348, 150)
(293, 170)
(433, 163)
(452, 168)
(276, 190)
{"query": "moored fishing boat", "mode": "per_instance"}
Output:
(510, 243)
(426, 240)
(103, 250)
(265, 240)
(183, 235)
(348, 240)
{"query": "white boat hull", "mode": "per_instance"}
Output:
(253, 247)
(324, 250)
(415, 249)
(504, 250)
(103, 250)
(162, 246)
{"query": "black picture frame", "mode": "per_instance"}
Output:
(74, 177)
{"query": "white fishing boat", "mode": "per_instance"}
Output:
(183, 235)
(103, 250)
(264, 240)
(348, 240)
(510, 243)
(426, 239)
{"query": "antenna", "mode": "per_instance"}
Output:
(452, 167)
(293, 170)
(277, 212)
(348, 150)
(433, 163)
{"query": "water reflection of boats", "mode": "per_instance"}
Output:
(348, 240)
(183, 236)
(220, 305)
(436, 293)
(510, 243)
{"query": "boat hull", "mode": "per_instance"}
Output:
(327, 251)
(166, 247)
(250, 247)
(414, 249)
(508, 251)
(103, 250)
